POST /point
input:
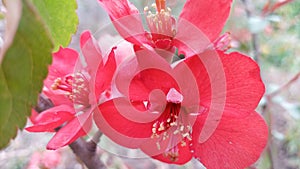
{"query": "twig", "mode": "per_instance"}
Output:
(254, 36)
(86, 151)
(268, 8)
(284, 87)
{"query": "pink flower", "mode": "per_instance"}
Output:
(173, 113)
(202, 106)
(73, 87)
(203, 19)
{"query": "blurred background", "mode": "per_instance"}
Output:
(266, 30)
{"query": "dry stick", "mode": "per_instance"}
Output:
(86, 151)
(284, 87)
(254, 36)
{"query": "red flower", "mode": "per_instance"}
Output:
(202, 107)
(73, 88)
(203, 19)
(190, 110)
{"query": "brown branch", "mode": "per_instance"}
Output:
(277, 5)
(86, 151)
(254, 36)
(284, 87)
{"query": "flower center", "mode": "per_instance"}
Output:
(171, 124)
(161, 24)
(75, 87)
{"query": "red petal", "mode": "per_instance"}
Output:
(52, 118)
(123, 51)
(57, 97)
(105, 74)
(33, 116)
(140, 75)
(231, 79)
(209, 16)
(236, 143)
(202, 70)
(90, 51)
(124, 124)
(184, 156)
(234, 78)
(63, 63)
(244, 87)
(126, 19)
(148, 80)
(122, 116)
(76, 128)
(204, 19)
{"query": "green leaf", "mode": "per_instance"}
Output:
(22, 71)
(61, 19)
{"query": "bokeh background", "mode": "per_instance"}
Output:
(266, 30)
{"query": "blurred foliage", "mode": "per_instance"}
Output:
(283, 47)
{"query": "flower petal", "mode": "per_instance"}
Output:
(126, 19)
(105, 74)
(202, 19)
(234, 78)
(225, 79)
(236, 143)
(209, 16)
(184, 156)
(244, 87)
(63, 63)
(120, 114)
(91, 51)
(51, 118)
(124, 124)
(57, 97)
(76, 128)
(148, 80)
(140, 75)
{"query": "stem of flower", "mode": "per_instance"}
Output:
(86, 151)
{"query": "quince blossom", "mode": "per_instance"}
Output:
(74, 90)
